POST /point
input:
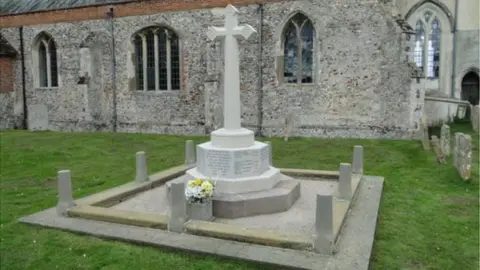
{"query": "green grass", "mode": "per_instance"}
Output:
(429, 218)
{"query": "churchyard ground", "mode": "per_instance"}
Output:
(429, 218)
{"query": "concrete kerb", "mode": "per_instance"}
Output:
(118, 194)
(96, 208)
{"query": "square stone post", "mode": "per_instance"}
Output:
(189, 153)
(178, 207)
(65, 197)
(323, 238)
(357, 163)
(345, 181)
(141, 167)
(270, 154)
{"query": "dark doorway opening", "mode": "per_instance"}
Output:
(470, 90)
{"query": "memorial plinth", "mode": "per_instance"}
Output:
(236, 170)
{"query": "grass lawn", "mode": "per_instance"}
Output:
(429, 218)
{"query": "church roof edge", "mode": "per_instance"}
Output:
(18, 7)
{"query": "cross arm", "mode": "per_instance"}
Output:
(240, 31)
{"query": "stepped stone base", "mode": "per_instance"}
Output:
(277, 199)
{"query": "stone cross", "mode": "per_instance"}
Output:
(230, 32)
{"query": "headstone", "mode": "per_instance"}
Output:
(475, 118)
(438, 150)
(345, 181)
(463, 155)
(178, 207)
(357, 163)
(37, 117)
(189, 153)
(425, 137)
(141, 167)
(65, 196)
(323, 237)
(445, 140)
(288, 126)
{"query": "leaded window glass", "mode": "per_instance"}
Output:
(298, 50)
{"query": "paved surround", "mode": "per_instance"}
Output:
(353, 248)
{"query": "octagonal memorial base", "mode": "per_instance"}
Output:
(236, 170)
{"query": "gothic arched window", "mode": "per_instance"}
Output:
(426, 51)
(298, 39)
(157, 59)
(46, 61)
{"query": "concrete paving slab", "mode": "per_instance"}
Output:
(354, 246)
(299, 219)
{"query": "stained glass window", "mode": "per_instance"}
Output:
(298, 50)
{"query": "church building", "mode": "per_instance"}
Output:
(338, 68)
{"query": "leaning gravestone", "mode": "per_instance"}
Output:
(463, 155)
(475, 118)
(445, 140)
(438, 150)
(424, 130)
(38, 117)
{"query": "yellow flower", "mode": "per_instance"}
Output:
(191, 183)
(207, 187)
(197, 182)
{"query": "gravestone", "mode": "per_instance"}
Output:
(288, 126)
(463, 155)
(438, 150)
(38, 117)
(445, 140)
(475, 118)
(424, 130)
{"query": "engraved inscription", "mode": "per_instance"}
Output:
(246, 162)
(219, 163)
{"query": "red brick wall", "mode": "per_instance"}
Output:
(120, 10)
(6, 75)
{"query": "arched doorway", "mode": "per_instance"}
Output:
(470, 90)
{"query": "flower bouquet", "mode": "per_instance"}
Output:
(199, 191)
(199, 194)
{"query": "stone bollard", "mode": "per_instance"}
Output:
(324, 238)
(141, 167)
(270, 154)
(189, 153)
(345, 181)
(178, 207)
(65, 197)
(357, 163)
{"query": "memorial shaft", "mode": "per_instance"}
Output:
(231, 83)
